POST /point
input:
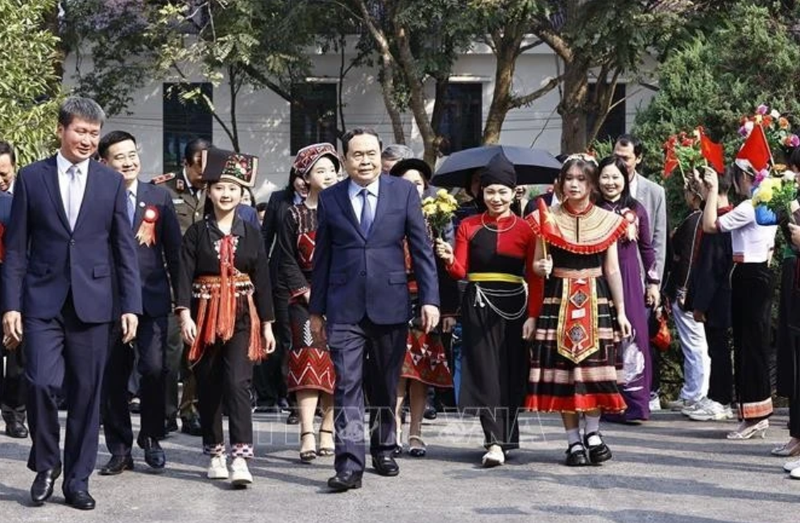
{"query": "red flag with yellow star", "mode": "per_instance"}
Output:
(547, 223)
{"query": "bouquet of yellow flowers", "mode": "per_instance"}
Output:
(439, 211)
(773, 198)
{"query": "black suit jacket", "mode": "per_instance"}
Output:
(274, 216)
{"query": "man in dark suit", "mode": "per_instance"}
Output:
(12, 378)
(152, 218)
(70, 228)
(359, 285)
(187, 190)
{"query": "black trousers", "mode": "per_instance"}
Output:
(64, 355)
(269, 376)
(720, 383)
(224, 374)
(751, 301)
(151, 341)
(494, 368)
(13, 388)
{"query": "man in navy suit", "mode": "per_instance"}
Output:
(158, 237)
(70, 228)
(359, 287)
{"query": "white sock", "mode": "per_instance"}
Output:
(573, 436)
(592, 424)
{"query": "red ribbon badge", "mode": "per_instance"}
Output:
(147, 230)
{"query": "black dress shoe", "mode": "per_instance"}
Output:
(117, 465)
(80, 500)
(576, 455)
(293, 418)
(597, 453)
(430, 412)
(153, 453)
(191, 426)
(171, 425)
(345, 481)
(16, 429)
(385, 465)
(42, 487)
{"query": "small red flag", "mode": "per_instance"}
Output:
(547, 224)
(712, 152)
(756, 149)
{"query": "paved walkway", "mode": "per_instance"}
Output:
(669, 470)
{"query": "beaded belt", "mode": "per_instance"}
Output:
(594, 272)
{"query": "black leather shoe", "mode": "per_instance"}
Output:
(153, 453)
(430, 412)
(293, 418)
(385, 465)
(42, 487)
(597, 453)
(16, 429)
(191, 426)
(80, 500)
(576, 455)
(345, 481)
(171, 425)
(117, 465)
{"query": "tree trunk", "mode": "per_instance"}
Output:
(387, 90)
(573, 107)
(506, 57)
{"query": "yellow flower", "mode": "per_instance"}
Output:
(427, 200)
(441, 193)
(765, 194)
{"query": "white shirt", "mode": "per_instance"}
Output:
(64, 179)
(753, 242)
(131, 193)
(354, 190)
(633, 185)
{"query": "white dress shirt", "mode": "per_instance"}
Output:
(751, 242)
(354, 191)
(64, 179)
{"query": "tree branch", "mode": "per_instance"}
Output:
(522, 101)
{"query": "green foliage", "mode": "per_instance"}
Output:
(29, 85)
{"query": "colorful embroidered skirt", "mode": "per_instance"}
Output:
(426, 360)
(310, 366)
(574, 361)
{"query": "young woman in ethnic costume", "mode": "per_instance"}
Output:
(751, 301)
(426, 362)
(494, 251)
(635, 243)
(573, 365)
(225, 307)
(311, 376)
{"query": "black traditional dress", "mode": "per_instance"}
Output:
(574, 361)
(224, 281)
(495, 257)
(310, 364)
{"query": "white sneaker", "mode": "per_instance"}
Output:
(494, 457)
(240, 474)
(680, 404)
(710, 410)
(792, 466)
(687, 410)
(655, 402)
(218, 468)
(795, 474)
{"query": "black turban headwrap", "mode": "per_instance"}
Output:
(499, 171)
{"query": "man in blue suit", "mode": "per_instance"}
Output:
(158, 237)
(70, 228)
(359, 287)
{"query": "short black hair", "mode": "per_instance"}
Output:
(726, 178)
(7, 148)
(794, 159)
(193, 147)
(352, 133)
(626, 198)
(80, 107)
(628, 139)
(261, 207)
(113, 138)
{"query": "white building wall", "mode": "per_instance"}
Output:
(264, 117)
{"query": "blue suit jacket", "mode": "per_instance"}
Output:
(45, 259)
(5, 207)
(156, 284)
(356, 276)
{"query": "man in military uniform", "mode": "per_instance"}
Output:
(187, 190)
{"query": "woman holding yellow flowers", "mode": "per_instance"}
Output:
(751, 298)
(426, 360)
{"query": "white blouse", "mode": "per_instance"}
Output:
(751, 242)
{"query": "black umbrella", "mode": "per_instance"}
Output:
(533, 166)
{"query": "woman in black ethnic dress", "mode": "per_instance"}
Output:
(574, 359)
(311, 375)
(426, 362)
(225, 307)
(494, 252)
